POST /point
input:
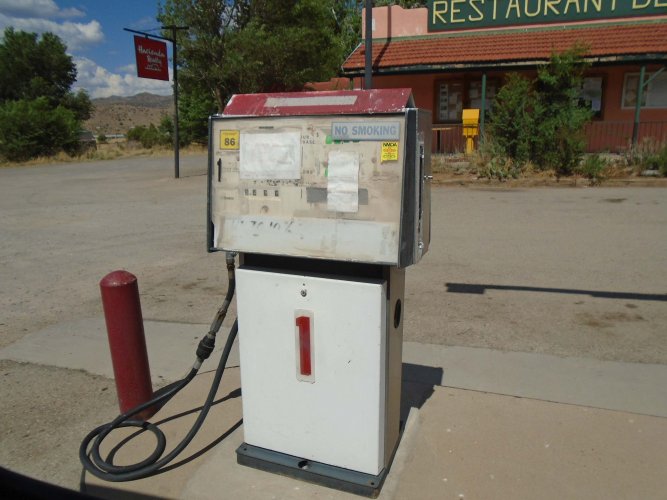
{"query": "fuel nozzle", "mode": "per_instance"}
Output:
(207, 343)
(205, 347)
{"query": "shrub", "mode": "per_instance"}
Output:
(657, 161)
(649, 154)
(593, 168)
(662, 166)
(491, 162)
(150, 136)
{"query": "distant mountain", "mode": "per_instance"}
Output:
(143, 99)
(116, 115)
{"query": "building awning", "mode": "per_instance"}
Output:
(615, 43)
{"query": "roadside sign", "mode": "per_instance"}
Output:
(151, 58)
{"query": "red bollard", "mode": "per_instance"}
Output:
(125, 329)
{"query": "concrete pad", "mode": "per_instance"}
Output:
(215, 473)
(633, 387)
(484, 446)
(460, 444)
(251, 484)
(223, 418)
(83, 345)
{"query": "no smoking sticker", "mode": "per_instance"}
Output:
(389, 152)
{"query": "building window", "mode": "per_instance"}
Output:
(590, 95)
(450, 101)
(475, 94)
(454, 95)
(655, 93)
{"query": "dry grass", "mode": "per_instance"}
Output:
(461, 170)
(110, 151)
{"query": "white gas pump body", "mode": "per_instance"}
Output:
(338, 416)
(326, 197)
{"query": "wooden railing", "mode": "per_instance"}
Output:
(603, 136)
(448, 139)
(616, 137)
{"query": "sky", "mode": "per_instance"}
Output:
(93, 32)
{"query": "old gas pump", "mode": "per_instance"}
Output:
(326, 198)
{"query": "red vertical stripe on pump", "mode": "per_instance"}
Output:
(303, 323)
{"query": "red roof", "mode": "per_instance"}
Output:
(337, 102)
(530, 45)
(333, 84)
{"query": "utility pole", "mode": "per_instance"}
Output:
(641, 85)
(639, 96)
(173, 30)
(368, 71)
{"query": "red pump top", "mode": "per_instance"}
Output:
(336, 102)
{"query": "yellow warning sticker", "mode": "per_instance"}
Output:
(389, 152)
(229, 139)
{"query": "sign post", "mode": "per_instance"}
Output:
(152, 63)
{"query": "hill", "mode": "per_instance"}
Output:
(116, 115)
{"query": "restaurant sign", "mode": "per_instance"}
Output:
(151, 58)
(448, 15)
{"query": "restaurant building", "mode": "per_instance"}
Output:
(455, 54)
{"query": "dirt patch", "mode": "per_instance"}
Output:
(42, 424)
(607, 320)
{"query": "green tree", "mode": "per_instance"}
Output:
(559, 140)
(202, 48)
(32, 67)
(512, 120)
(39, 113)
(195, 107)
(406, 4)
(348, 23)
(238, 46)
(79, 103)
(284, 45)
(204, 84)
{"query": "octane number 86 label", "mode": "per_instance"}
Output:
(229, 139)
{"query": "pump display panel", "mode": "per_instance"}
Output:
(338, 187)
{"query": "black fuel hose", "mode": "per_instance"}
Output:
(104, 468)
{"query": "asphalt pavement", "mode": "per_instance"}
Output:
(535, 353)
